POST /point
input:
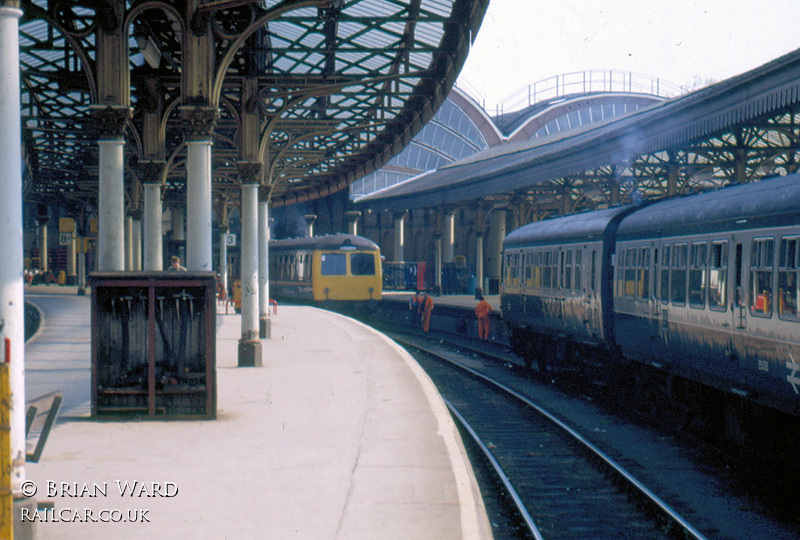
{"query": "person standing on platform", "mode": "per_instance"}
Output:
(425, 308)
(175, 264)
(482, 311)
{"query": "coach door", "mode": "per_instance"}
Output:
(739, 310)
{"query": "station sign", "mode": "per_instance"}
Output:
(230, 240)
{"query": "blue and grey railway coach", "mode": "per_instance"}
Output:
(557, 281)
(706, 286)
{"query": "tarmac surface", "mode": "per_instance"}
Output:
(340, 435)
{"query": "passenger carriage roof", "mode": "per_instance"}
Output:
(329, 242)
(768, 203)
(586, 226)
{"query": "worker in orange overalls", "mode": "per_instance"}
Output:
(482, 311)
(424, 309)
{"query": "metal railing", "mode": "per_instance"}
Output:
(579, 82)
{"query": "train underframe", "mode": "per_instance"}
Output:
(657, 395)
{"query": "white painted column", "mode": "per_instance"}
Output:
(111, 226)
(249, 344)
(12, 315)
(136, 244)
(264, 323)
(399, 237)
(437, 261)
(43, 248)
(449, 237)
(128, 243)
(198, 206)
(178, 225)
(223, 261)
(479, 261)
(153, 248)
(72, 253)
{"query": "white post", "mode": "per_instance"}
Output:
(153, 257)
(264, 323)
(43, 248)
(449, 237)
(128, 243)
(249, 345)
(12, 316)
(223, 262)
(399, 237)
(136, 244)
(198, 206)
(110, 238)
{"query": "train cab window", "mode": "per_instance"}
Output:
(362, 264)
(717, 273)
(677, 276)
(697, 275)
(788, 270)
(761, 260)
(333, 264)
(664, 277)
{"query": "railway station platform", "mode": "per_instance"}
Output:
(339, 435)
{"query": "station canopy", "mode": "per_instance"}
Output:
(341, 87)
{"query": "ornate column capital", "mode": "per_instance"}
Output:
(250, 172)
(109, 121)
(151, 171)
(11, 4)
(199, 121)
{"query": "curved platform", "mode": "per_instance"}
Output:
(339, 435)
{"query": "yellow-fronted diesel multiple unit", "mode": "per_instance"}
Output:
(335, 268)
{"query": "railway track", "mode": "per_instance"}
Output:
(563, 486)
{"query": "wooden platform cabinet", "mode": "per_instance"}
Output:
(154, 344)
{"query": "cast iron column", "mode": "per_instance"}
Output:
(12, 317)
(249, 344)
(201, 122)
(264, 323)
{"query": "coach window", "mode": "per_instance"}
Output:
(643, 284)
(717, 266)
(528, 263)
(594, 270)
(362, 264)
(665, 254)
(630, 272)
(514, 270)
(788, 269)
(678, 274)
(697, 275)
(578, 269)
(333, 264)
(546, 269)
(761, 257)
(567, 283)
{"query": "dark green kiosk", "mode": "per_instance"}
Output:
(154, 344)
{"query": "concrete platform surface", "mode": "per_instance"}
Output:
(340, 435)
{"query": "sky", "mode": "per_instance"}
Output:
(687, 43)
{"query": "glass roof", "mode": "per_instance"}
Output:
(341, 87)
